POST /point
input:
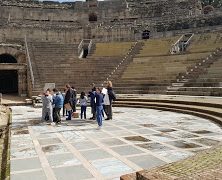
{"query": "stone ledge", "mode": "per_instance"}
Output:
(3, 116)
(128, 177)
(204, 165)
(153, 175)
(209, 109)
(4, 142)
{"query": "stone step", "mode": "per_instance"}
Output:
(177, 84)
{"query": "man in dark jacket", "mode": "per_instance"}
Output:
(112, 97)
(68, 99)
(92, 101)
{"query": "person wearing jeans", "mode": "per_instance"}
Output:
(58, 102)
(110, 96)
(83, 104)
(99, 107)
(68, 100)
(47, 106)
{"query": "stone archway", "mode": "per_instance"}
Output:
(13, 70)
(7, 58)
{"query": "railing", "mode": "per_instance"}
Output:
(175, 47)
(83, 43)
(80, 47)
(180, 46)
(29, 63)
(189, 40)
(90, 46)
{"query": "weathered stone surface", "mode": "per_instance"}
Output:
(77, 146)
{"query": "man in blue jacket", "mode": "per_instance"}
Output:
(58, 101)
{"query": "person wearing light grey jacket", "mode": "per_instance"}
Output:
(47, 109)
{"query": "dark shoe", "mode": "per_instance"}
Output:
(68, 119)
(107, 119)
(91, 118)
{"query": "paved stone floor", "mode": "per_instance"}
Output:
(136, 139)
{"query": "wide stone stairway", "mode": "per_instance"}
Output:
(59, 63)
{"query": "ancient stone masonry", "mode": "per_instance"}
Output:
(152, 8)
(37, 4)
(51, 21)
(117, 20)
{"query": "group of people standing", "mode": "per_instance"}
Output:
(52, 105)
(100, 102)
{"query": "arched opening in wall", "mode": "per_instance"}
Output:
(7, 58)
(92, 17)
(8, 78)
(208, 9)
(146, 34)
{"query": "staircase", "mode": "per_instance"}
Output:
(182, 44)
(50, 62)
(60, 64)
(189, 79)
(84, 48)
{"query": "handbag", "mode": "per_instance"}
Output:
(75, 115)
(68, 107)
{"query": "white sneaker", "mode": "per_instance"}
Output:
(99, 127)
(53, 124)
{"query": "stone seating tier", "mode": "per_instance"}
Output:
(112, 49)
(154, 74)
(157, 47)
(209, 83)
(205, 42)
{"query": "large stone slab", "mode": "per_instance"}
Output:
(36, 175)
(25, 164)
(72, 172)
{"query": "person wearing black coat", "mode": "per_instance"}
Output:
(112, 97)
(68, 99)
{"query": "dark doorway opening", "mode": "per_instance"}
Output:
(146, 34)
(85, 53)
(7, 58)
(8, 81)
(92, 17)
(8, 78)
